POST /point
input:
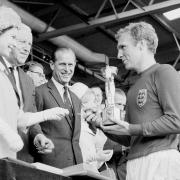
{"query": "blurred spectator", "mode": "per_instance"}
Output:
(118, 160)
(79, 89)
(91, 142)
(36, 72)
(99, 94)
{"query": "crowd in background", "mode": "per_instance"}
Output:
(53, 122)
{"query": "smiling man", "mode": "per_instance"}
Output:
(24, 84)
(153, 110)
(65, 150)
(20, 39)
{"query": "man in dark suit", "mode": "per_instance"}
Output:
(64, 134)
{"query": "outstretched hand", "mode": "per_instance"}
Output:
(120, 128)
(56, 113)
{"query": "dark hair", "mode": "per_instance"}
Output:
(62, 50)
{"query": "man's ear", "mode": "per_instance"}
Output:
(142, 44)
(52, 65)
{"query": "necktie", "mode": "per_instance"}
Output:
(13, 81)
(67, 103)
(12, 75)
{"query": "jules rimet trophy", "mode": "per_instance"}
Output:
(110, 111)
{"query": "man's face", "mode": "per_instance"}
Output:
(63, 67)
(22, 50)
(88, 101)
(129, 52)
(37, 75)
(120, 101)
(8, 42)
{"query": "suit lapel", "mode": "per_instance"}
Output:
(23, 85)
(57, 97)
(8, 73)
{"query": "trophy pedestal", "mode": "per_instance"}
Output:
(111, 112)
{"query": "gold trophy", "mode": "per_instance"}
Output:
(110, 110)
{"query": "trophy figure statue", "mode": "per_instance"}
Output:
(109, 72)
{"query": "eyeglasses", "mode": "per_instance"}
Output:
(120, 104)
(40, 74)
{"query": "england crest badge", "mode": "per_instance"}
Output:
(141, 97)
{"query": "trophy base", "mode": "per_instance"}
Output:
(109, 114)
(108, 123)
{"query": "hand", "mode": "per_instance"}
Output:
(43, 144)
(12, 138)
(114, 115)
(104, 155)
(56, 113)
(122, 128)
(14, 142)
(93, 118)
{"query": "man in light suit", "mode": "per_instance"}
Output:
(26, 86)
(65, 134)
(10, 141)
(23, 86)
(13, 101)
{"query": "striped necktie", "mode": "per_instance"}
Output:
(68, 103)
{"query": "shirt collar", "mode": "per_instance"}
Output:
(57, 84)
(6, 62)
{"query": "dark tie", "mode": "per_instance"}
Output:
(68, 104)
(12, 75)
(13, 82)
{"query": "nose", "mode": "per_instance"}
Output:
(26, 51)
(67, 67)
(26, 48)
(120, 55)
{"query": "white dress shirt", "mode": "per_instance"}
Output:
(16, 75)
(60, 89)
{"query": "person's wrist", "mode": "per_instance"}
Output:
(135, 129)
(37, 137)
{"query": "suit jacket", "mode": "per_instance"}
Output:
(8, 112)
(28, 94)
(64, 136)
